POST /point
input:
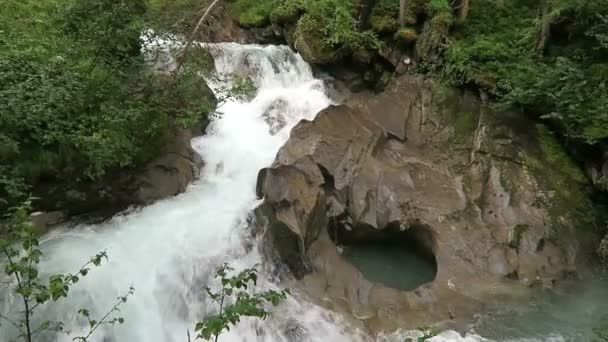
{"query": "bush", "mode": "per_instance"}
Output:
(76, 95)
(436, 7)
(253, 13)
(495, 49)
(338, 26)
(406, 35)
(383, 21)
(287, 12)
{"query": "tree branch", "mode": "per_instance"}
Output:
(182, 58)
(13, 323)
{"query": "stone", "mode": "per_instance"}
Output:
(309, 42)
(418, 158)
(44, 221)
(167, 175)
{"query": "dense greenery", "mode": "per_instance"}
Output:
(561, 77)
(498, 48)
(332, 20)
(77, 96)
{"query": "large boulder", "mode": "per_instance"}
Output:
(310, 42)
(176, 166)
(488, 194)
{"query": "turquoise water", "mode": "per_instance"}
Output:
(393, 265)
(576, 313)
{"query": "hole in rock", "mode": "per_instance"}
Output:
(399, 259)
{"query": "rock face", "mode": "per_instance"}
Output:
(220, 27)
(598, 169)
(431, 160)
(167, 175)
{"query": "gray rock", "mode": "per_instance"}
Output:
(418, 157)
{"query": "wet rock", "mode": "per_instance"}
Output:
(419, 157)
(221, 27)
(167, 175)
(43, 221)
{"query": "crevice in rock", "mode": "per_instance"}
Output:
(328, 180)
(397, 258)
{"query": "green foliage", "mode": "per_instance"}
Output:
(556, 171)
(555, 154)
(424, 334)
(77, 97)
(175, 16)
(334, 19)
(253, 13)
(518, 232)
(383, 20)
(464, 126)
(495, 49)
(287, 12)
(406, 35)
(20, 247)
(436, 7)
(331, 21)
(236, 301)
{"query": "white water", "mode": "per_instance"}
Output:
(169, 250)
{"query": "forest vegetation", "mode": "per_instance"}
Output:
(78, 100)
(77, 95)
(548, 57)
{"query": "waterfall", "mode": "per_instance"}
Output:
(169, 250)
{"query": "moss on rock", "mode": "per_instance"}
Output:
(252, 13)
(433, 38)
(464, 127)
(383, 22)
(406, 36)
(287, 13)
(570, 205)
(518, 233)
(310, 42)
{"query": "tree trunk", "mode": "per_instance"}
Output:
(545, 29)
(464, 9)
(402, 7)
(363, 9)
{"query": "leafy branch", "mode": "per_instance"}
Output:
(94, 324)
(235, 302)
(21, 249)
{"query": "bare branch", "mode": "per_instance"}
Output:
(182, 59)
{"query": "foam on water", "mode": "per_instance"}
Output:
(169, 250)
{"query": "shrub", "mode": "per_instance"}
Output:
(383, 21)
(253, 13)
(437, 7)
(287, 12)
(406, 35)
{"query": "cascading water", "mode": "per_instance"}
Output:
(169, 250)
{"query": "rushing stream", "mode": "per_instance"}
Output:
(169, 250)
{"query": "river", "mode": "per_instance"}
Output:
(169, 250)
